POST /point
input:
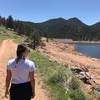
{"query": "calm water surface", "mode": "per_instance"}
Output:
(92, 50)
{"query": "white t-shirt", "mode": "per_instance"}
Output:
(20, 71)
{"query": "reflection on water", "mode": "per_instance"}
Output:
(92, 50)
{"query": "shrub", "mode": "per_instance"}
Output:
(77, 94)
(74, 84)
(59, 80)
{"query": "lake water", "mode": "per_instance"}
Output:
(92, 50)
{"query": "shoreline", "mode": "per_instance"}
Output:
(67, 41)
(65, 54)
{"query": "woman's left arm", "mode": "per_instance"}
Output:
(8, 79)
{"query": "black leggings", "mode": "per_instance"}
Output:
(21, 91)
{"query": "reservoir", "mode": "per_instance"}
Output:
(92, 50)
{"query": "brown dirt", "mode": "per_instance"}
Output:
(65, 54)
(7, 51)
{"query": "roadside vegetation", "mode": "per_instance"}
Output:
(10, 34)
(60, 83)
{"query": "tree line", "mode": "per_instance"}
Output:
(72, 28)
(56, 28)
(22, 28)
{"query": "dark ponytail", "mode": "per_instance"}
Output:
(20, 50)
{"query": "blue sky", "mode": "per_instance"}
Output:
(41, 10)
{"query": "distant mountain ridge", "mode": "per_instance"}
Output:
(72, 28)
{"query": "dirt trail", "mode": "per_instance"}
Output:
(63, 53)
(7, 51)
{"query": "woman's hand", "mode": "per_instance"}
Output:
(33, 95)
(6, 94)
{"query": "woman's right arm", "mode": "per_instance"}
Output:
(8, 79)
(32, 79)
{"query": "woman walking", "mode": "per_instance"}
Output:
(20, 73)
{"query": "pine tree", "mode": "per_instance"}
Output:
(36, 38)
(10, 22)
(0, 20)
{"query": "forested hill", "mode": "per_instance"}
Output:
(72, 28)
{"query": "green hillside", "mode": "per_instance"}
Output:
(72, 28)
(10, 34)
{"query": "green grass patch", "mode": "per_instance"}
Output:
(59, 80)
(9, 34)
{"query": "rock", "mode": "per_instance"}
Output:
(82, 75)
(76, 70)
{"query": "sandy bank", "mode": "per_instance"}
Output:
(64, 53)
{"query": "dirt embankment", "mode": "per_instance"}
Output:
(7, 51)
(65, 54)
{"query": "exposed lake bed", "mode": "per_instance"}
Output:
(67, 55)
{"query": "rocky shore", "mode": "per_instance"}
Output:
(65, 54)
